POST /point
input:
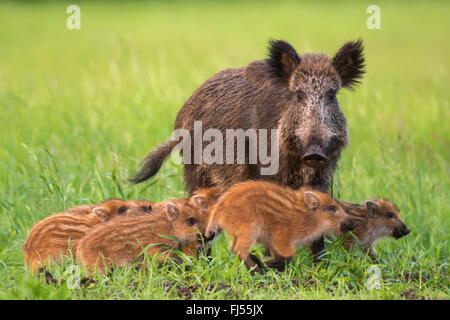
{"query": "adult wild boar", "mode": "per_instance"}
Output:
(292, 93)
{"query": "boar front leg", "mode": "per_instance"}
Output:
(257, 261)
(279, 263)
(241, 246)
(281, 253)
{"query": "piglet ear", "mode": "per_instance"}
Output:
(200, 202)
(349, 63)
(372, 208)
(172, 211)
(282, 58)
(353, 209)
(312, 200)
(101, 213)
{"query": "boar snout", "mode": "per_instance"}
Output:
(314, 156)
(348, 225)
(401, 232)
(210, 236)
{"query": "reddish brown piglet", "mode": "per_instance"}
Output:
(52, 237)
(121, 242)
(279, 218)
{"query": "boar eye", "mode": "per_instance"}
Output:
(332, 208)
(331, 96)
(122, 210)
(146, 208)
(191, 221)
(300, 95)
(390, 215)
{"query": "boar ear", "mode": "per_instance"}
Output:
(372, 208)
(172, 211)
(282, 58)
(349, 63)
(312, 200)
(200, 201)
(352, 209)
(101, 213)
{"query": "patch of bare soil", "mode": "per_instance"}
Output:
(187, 291)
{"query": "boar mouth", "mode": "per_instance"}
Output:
(399, 233)
(314, 157)
(208, 237)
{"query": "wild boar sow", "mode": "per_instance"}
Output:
(294, 94)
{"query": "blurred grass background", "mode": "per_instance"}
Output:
(79, 109)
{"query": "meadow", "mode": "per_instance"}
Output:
(79, 109)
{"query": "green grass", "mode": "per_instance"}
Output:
(80, 109)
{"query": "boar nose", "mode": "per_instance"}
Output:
(351, 225)
(348, 225)
(406, 231)
(314, 157)
(401, 232)
(210, 236)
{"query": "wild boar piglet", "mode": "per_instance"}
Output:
(174, 224)
(377, 218)
(51, 238)
(279, 218)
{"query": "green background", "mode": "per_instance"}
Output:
(79, 109)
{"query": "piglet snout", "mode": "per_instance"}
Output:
(348, 225)
(401, 232)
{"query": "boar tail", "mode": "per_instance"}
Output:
(153, 161)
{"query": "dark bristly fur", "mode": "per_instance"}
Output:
(349, 63)
(283, 58)
(304, 109)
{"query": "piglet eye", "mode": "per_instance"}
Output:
(390, 215)
(332, 208)
(122, 210)
(191, 221)
(146, 208)
(300, 95)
